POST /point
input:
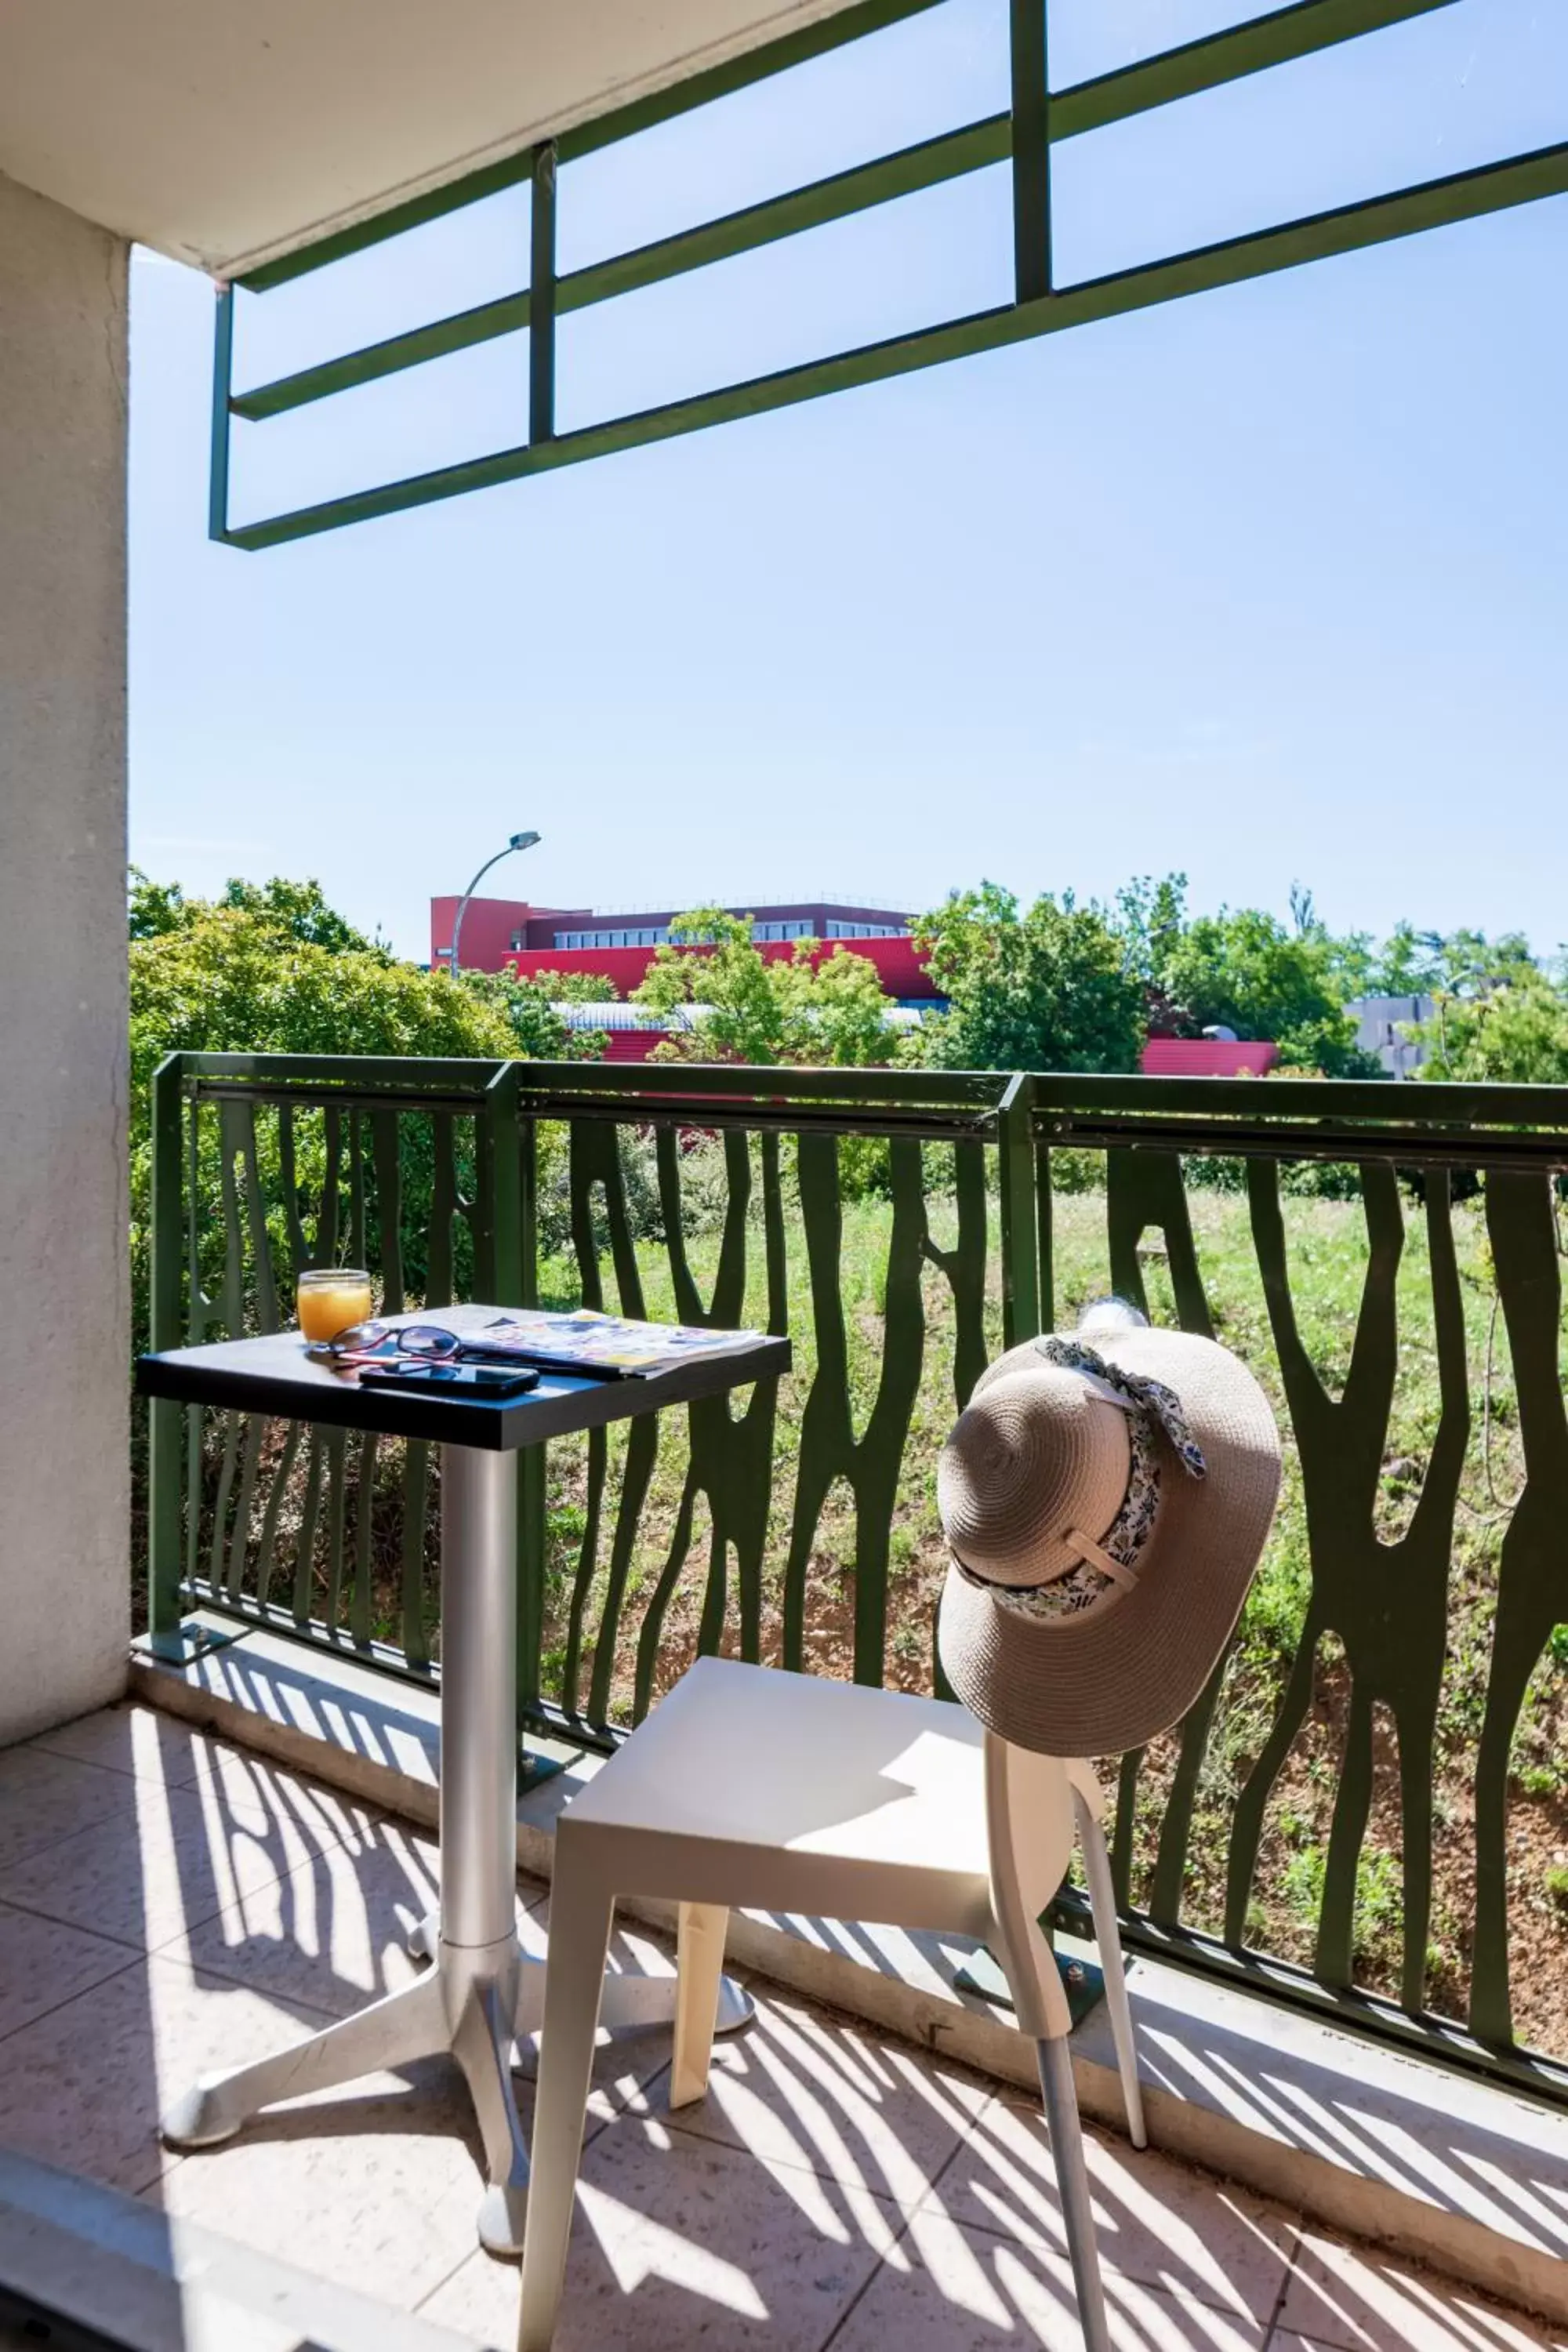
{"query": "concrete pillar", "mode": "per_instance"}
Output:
(65, 1323)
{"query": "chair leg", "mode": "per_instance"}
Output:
(580, 1917)
(1073, 2180)
(700, 1965)
(1108, 1936)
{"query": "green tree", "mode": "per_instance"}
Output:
(239, 979)
(827, 1011)
(1056, 988)
(1501, 1014)
(300, 909)
(1515, 1033)
(1466, 964)
(296, 910)
(538, 1031)
(155, 908)
(1408, 963)
(1245, 970)
(269, 968)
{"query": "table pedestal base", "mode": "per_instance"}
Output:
(477, 2003)
(482, 1995)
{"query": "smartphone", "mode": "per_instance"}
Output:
(488, 1381)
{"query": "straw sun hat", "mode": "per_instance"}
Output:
(1105, 1498)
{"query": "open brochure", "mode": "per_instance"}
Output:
(586, 1341)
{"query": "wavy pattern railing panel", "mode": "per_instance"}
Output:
(302, 1525)
(1372, 1783)
(1373, 1776)
(1533, 1585)
(826, 1488)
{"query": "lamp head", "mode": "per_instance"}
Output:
(523, 841)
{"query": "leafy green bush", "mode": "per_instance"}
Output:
(1515, 1033)
(271, 969)
(1048, 989)
(1245, 970)
(807, 1009)
(1074, 1171)
(704, 1193)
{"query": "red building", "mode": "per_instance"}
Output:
(620, 947)
(1207, 1057)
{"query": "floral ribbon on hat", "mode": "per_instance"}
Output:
(1148, 1402)
(1138, 1389)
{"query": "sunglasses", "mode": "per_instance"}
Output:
(421, 1343)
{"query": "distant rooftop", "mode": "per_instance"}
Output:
(494, 929)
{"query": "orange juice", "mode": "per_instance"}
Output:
(332, 1298)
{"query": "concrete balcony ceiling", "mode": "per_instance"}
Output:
(225, 133)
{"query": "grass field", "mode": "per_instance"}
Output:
(1328, 1260)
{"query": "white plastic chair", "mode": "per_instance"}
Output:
(753, 1788)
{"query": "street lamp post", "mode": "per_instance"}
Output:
(517, 841)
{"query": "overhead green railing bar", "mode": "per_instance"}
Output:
(925, 166)
(587, 138)
(1038, 120)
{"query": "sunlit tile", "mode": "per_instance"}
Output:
(1157, 2221)
(965, 2291)
(687, 2242)
(1349, 2299)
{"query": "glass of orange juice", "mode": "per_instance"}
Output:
(330, 1298)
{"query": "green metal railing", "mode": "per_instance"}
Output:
(1037, 119)
(902, 1227)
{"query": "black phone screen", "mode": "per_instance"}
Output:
(467, 1380)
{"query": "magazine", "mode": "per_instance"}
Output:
(584, 1340)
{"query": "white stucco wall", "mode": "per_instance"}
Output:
(64, 1285)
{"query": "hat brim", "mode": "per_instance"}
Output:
(1096, 1681)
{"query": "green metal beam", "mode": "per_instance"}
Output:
(797, 49)
(904, 173)
(1486, 1104)
(700, 1083)
(166, 1454)
(697, 89)
(434, 204)
(925, 166)
(506, 316)
(541, 300)
(1030, 142)
(1348, 228)
(222, 376)
(401, 1074)
(1207, 63)
(1279, 38)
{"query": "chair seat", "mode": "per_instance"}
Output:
(748, 1787)
(788, 1763)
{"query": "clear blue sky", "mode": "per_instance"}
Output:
(1268, 585)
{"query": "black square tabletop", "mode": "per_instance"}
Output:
(276, 1375)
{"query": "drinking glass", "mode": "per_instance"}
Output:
(331, 1298)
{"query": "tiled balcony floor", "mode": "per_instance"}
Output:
(168, 1904)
